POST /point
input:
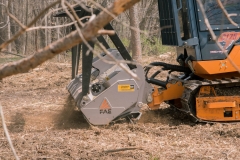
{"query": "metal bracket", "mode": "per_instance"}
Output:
(192, 42)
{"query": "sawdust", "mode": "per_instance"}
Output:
(70, 117)
(44, 124)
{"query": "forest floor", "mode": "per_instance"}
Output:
(43, 124)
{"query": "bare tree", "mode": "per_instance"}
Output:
(26, 21)
(9, 28)
(135, 34)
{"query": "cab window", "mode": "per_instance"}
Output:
(215, 15)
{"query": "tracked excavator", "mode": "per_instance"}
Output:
(207, 83)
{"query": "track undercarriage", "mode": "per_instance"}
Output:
(205, 100)
(210, 100)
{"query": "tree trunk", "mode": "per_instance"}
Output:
(149, 12)
(3, 21)
(58, 37)
(26, 21)
(46, 24)
(135, 34)
(14, 27)
(36, 31)
(8, 30)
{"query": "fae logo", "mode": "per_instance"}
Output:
(226, 39)
(105, 107)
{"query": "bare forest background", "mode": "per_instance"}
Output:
(33, 40)
(42, 119)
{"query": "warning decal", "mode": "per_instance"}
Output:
(105, 107)
(125, 88)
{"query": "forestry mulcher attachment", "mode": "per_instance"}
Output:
(208, 84)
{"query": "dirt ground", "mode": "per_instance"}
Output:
(43, 124)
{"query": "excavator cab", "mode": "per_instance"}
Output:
(183, 25)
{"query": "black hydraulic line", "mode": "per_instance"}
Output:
(164, 66)
(155, 74)
(189, 58)
(189, 77)
(171, 67)
(169, 72)
(157, 82)
(87, 58)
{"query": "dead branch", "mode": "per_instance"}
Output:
(90, 30)
(7, 134)
(226, 13)
(122, 149)
(49, 27)
(106, 32)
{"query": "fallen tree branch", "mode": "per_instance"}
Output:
(90, 30)
(7, 134)
(122, 149)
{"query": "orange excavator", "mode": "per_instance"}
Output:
(207, 83)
